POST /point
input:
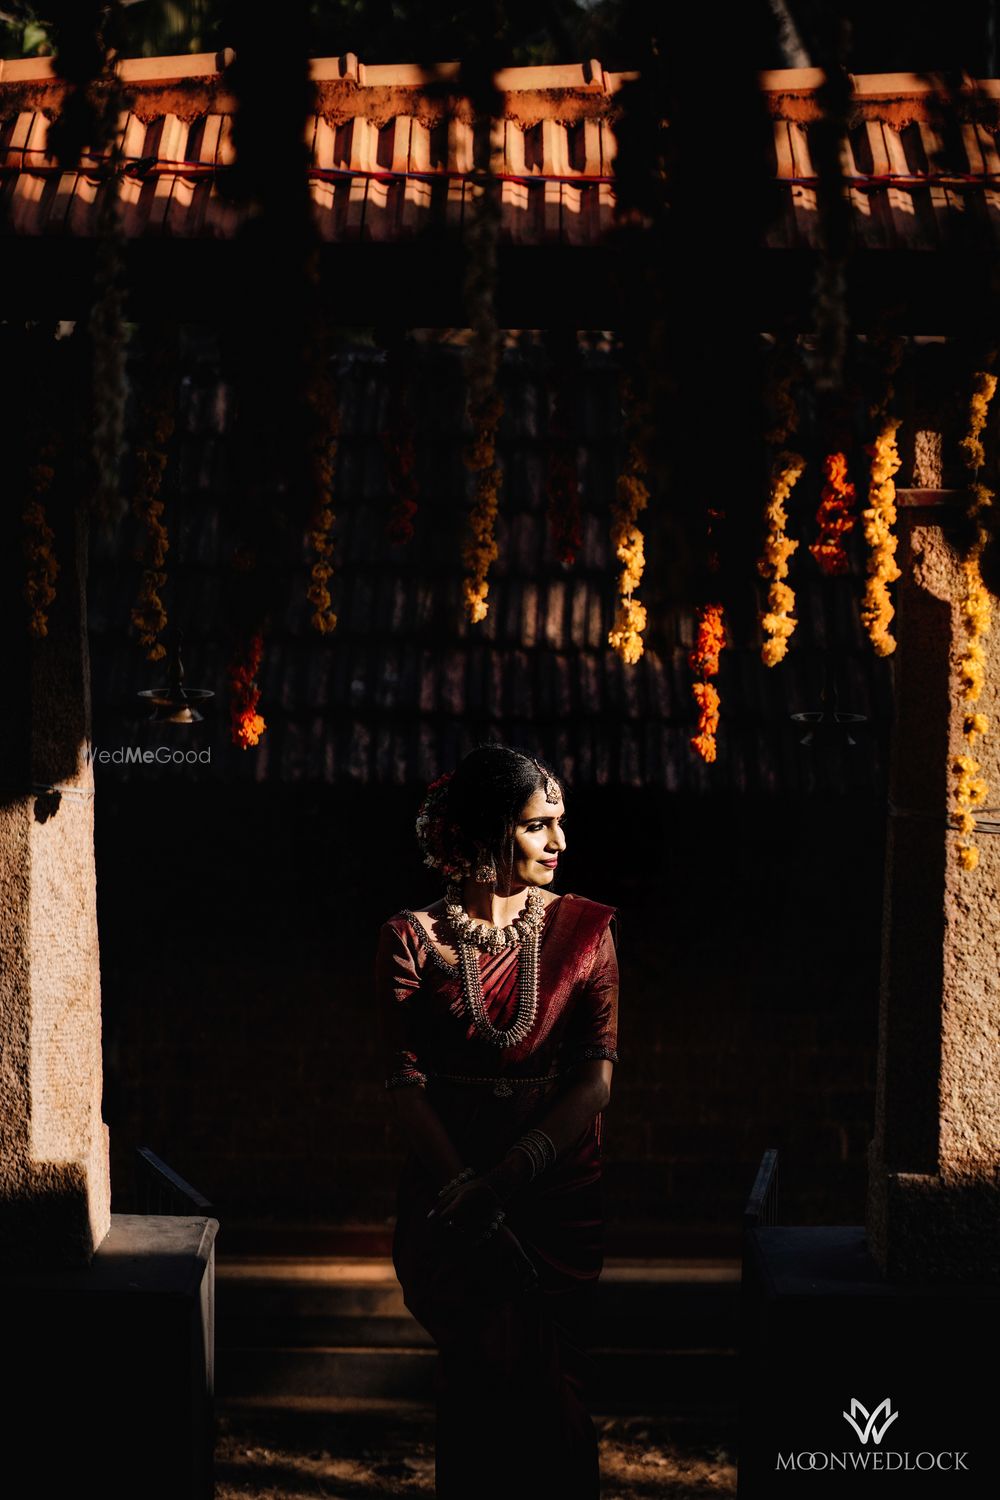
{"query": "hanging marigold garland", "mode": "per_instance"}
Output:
(479, 548)
(148, 613)
(319, 534)
(704, 662)
(779, 395)
(970, 789)
(833, 517)
(247, 724)
(879, 517)
(710, 639)
(777, 621)
(787, 466)
(399, 442)
(563, 483)
(631, 498)
(88, 41)
(107, 324)
(43, 567)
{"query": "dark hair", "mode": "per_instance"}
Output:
(485, 797)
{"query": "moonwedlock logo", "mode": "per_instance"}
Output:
(872, 1457)
(870, 1430)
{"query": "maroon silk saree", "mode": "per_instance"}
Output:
(512, 1378)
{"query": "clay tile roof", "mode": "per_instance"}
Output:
(388, 161)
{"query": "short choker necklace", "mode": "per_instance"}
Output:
(485, 936)
(524, 929)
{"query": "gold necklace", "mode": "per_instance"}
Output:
(485, 936)
(525, 930)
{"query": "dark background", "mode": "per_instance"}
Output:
(239, 902)
(877, 35)
(239, 907)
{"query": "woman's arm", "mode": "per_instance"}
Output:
(569, 1116)
(425, 1133)
(563, 1124)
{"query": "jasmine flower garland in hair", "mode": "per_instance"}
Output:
(436, 834)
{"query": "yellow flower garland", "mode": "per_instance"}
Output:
(479, 548)
(777, 621)
(880, 516)
(878, 520)
(631, 497)
(970, 789)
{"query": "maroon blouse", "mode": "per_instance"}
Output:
(419, 997)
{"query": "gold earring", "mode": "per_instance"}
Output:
(486, 874)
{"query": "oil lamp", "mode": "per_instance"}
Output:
(174, 704)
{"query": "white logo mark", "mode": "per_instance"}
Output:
(870, 1430)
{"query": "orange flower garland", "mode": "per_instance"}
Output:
(247, 723)
(704, 662)
(777, 621)
(631, 497)
(43, 568)
(833, 516)
(970, 789)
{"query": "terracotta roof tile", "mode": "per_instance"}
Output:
(386, 163)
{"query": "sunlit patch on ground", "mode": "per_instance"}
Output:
(301, 1450)
(643, 1456)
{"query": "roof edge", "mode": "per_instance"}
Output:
(589, 76)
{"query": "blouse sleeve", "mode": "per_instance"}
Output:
(397, 980)
(593, 1029)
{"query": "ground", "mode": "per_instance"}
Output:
(325, 1450)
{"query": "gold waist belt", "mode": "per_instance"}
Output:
(502, 1087)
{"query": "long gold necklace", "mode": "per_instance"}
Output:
(469, 935)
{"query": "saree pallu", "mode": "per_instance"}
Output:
(512, 1379)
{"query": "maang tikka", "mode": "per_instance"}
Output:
(551, 785)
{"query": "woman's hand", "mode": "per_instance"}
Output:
(472, 1210)
(494, 1261)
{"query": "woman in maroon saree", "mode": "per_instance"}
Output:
(503, 1273)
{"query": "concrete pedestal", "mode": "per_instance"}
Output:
(111, 1366)
(822, 1327)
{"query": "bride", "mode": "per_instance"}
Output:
(498, 1017)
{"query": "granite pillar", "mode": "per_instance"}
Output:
(933, 1208)
(55, 1194)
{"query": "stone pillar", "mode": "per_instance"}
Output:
(55, 1193)
(934, 1163)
